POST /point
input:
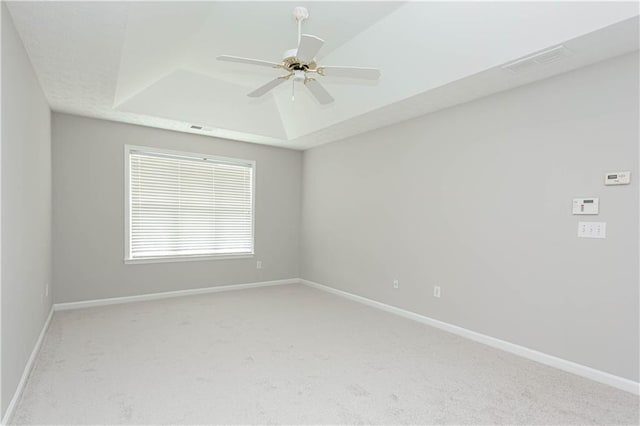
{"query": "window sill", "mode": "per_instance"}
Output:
(172, 259)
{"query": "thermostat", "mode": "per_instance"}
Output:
(585, 205)
(617, 178)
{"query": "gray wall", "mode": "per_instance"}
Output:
(477, 199)
(26, 208)
(88, 213)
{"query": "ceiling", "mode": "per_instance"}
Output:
(153, 63)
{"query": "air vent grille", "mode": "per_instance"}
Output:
(541, 58)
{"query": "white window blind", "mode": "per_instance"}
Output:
(188, 206)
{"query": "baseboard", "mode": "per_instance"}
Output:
(27, 370)
(550, 360)
(169, 294)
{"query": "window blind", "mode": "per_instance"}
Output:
(189, 206)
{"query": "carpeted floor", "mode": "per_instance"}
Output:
(290, 354)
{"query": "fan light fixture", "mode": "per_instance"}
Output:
(300, 63)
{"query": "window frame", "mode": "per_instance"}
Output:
(128, 149)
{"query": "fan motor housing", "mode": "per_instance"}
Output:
(291, 63)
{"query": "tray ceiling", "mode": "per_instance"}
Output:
(153, 63)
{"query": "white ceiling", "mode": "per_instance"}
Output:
(153, 63)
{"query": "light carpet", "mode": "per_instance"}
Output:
(291, 355)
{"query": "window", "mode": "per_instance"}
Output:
(182, 206)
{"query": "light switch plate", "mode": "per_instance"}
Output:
(585, 206)
(592, 229)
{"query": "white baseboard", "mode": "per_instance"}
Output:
(27, 370)
(550, 360)
(169, 294)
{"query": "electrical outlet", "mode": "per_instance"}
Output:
(396, 284)
(259, 264)
(46, 290)
(436, 291)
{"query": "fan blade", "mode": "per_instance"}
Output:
(250, 61)
(318, 91)
(351, 72)
(265, 88)
(309, 47)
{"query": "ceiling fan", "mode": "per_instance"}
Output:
(300, 63)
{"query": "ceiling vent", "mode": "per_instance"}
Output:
(542, 58)
(201, 128)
